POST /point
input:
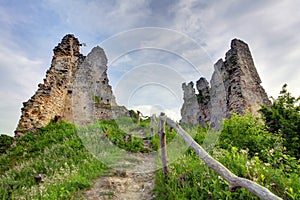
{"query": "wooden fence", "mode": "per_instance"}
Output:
(233, 180)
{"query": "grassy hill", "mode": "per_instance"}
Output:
(57, 153)
(67, 160)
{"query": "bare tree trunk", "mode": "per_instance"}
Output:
(163, 146)
(233, 180)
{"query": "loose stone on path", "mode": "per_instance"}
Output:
(135, 180)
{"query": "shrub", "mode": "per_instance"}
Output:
(5, 142)
(283, 117)
(247, 132)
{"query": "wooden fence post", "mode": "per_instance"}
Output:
(153, 122)
(163, 145)
(139, 117)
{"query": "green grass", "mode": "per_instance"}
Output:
(70, 157)
(73, 157)
(190, 178)
(125, 133)
(55, 151)
(268, 165)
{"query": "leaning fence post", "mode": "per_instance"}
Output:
(153, 122)
(163, 145)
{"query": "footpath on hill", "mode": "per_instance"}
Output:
(131, 178)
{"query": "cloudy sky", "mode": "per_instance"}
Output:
(181, 42)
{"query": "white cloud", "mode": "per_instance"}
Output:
(8, 19)
(31, 30)
(149, 110)
(17, 68)
(159, 46)
(104, 17)
(153, 81)
(17, 84)
(270, 29)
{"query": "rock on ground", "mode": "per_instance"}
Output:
(133, 180)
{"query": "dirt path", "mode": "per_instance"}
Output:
(131, 179)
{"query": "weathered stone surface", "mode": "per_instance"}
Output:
(245, 91)
(52, 97)
(235, 87)
(75, 89)
(203, 100)
(92, 96)
(190, 110)
(219, 96)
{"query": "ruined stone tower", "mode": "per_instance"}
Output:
(190, 108)
(234, 87)
(75, 89)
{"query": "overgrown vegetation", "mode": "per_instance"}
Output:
(283, 117)
(54, 151)
(252, 158)
(248, 133)
(248, 148)
(5, 142)
(266, 152)
(63, 154)
(125, 133)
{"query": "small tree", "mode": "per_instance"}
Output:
(283, 117)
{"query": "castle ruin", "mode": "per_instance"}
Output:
(75, 89)
(235, 86)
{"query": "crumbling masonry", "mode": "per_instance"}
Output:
(234, 87)
(75, 89)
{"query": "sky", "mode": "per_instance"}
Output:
(153, 46)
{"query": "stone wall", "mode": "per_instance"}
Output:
(75, 89)
(52, 98)
(190, 110)
(92, 95)
(234, 87)
(203, 101)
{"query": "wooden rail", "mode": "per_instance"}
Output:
(233, 180)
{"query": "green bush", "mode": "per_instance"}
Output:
(247, 132)
(5, 142)
(283, 117)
